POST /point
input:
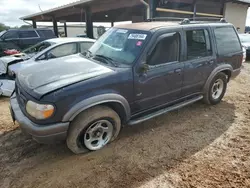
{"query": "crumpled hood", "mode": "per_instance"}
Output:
(48, 76)
(5, 61)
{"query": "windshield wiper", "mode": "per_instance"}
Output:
(110, 60)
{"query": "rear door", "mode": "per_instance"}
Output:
(28, 38)
(200, 59)
(228, 46)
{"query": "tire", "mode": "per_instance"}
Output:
(210, 96)
(94, 127)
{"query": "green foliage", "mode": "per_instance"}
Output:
(3, 27)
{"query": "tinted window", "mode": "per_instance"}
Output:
(27, 34)
(85, 46)
(166, 50)
(198, 44)
(63, 50)
(46, 33)
(10, 35)
(227, 40)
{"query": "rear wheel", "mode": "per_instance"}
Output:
(216, 89)
(93, 129)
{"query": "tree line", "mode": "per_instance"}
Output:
(4, 27)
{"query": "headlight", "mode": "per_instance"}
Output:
(39, 111)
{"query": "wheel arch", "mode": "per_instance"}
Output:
(225, 68)
(115, 101)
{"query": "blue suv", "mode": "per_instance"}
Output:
(133, 73)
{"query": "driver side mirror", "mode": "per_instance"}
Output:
(144, 68)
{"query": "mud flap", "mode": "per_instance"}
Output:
(7, 87)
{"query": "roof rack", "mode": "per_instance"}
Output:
(189, 20)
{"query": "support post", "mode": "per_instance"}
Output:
(89, 23)
(152, 7)
(222, 7)
(55, 27)
(34, 24)
(194, 9)
(65, 29)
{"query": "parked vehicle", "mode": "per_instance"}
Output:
(8, 48)
(41, 52)
(25, 38)
(245, 41)
(133, 73)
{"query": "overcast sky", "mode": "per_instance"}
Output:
(12, 10)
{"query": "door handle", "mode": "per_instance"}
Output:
(210, 62)
(178, 71)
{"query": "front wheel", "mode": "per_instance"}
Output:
(93, 129)
(216, 89)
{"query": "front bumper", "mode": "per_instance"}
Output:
(41, 133)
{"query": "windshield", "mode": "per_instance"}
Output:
(38, 47)
(244, 38)
(121, 45)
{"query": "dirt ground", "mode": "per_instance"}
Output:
(197, 146)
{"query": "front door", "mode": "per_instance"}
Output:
(162, 82)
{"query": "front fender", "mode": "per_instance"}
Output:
(220, 68)
(97, 100)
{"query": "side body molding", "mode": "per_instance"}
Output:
(97, 100)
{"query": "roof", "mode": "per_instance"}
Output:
(147, 25)
(80, 2)
(70, 39)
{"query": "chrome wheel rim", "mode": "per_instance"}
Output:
(217, 89)
(98, 134)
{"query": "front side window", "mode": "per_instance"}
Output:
(166, 50)
(198, 44)
(10, 35)
(85, 46)
(27, 34)
(121, 45)
(227, 40)
(38, 47)
(62, 50)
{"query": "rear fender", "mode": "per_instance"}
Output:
(220, 68)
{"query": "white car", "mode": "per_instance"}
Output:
(60, 47)
(41, 52)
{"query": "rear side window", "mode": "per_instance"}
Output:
(46, 33)
(62, 50)
(198, 44)
(10, 35)
(227, 40)
(85, 46)
(27, 34)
